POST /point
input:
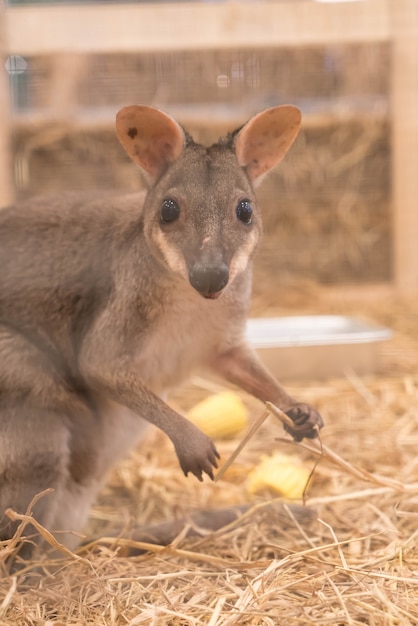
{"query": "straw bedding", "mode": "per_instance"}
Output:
(353, 560)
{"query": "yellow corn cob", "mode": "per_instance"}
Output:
(279, 473)
(220, 416)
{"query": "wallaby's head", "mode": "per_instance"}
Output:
(200, 215)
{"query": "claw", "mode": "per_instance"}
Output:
(197, 454)
(307, 422)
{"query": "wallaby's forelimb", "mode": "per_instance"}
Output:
(196, 452)
(242, 367)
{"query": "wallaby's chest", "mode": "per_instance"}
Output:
(184, 339)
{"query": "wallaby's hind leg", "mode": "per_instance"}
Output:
(51, 436)
(45, 434)
(34, 456)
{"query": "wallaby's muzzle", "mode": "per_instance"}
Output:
(209, 278)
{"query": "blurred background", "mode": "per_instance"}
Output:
(335, 212)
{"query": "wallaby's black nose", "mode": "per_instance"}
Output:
(209, 278)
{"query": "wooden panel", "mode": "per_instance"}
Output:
(182, 26)
(405, 143)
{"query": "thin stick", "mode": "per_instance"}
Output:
(337, 543)
(321, 449)
(251, 432)
(49, 537)
(169, 551)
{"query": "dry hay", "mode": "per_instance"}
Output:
(354, 564)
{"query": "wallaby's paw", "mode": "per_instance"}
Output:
(307, 421)
(197, 454)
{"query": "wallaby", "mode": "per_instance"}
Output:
(107, 302)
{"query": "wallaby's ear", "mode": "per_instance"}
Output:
(151, 138)
(264, 140)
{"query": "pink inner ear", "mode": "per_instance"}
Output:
(151, 138)
(265, 139)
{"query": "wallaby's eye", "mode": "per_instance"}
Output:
(169, 211)
(245, 211)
